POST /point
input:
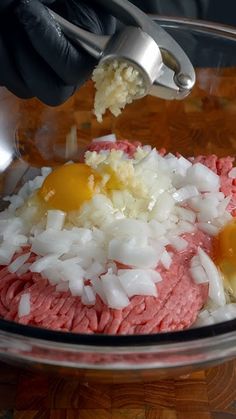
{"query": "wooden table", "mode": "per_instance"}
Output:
(209, 394)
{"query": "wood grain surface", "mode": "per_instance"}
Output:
(209, 394)
(203, 123)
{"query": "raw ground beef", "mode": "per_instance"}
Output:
(176, 306)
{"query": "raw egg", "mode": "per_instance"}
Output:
(67, 187)
(224, 250)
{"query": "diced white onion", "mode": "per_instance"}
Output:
(51, 241)
(43, 263)
(76, 287)
(203, 178)
(18, 262)
(232, 173)
(137, 282)
(24, 305)
(195, 261)
(163, 207)
(222, 207)
(166, 259)
(133, 255)
(221, 314)
(184, 227)
(115, 294)
(55, 219)
(88, 296)
(198, 274)
(98, 289)
(185, 193)
(185, 214)
(94, 270)
(6, 253)
(105, 138)
(178, 243)
(23, 269)
(216, 289)
(208, 228)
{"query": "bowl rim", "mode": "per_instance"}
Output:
(202, 26)
(101, 340)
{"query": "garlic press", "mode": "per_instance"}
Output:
(166, 69)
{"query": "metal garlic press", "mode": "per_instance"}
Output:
(166, 69)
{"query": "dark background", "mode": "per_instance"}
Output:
(223, 11)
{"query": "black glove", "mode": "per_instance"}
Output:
(36, 59)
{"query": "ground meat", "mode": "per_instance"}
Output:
(123, 145)
(176, 306)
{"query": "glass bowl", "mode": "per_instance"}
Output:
(33, 135)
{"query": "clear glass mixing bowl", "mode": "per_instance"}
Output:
(32, 135)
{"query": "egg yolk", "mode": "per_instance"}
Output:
(225, 244)
(67, 187)
(224, 254)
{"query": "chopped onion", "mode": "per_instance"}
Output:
(23, 269)
(205, 321)
(114, 292)
(207, 209)
(222, 220)
(185, 214)
(208, 228)
(195, 261)
(185, 193)
(71, 271)
(232, 173)
(163, 207)
(45, 171)
(55, 219)
(24, 305)
(219, 196)
(178, 243)
(98, 289)
(10, 227)
(221, 314)
(105, 138)
(137, 282)
(51, 241)
(203, 178)
(18, 262)
(216, 289)
(184, 164)
(184, 227)
(76, 287)
(128, 228)
(17, 240)
(198, 274)
(222, 207)
(94, 269)
(43, 263)
(88, 296)
(166, 259)
(132, 254)
(6, 253)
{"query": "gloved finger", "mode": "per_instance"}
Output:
(87, 15)
(37, 75)
(4, 4)
(9, 77)
(72, 65)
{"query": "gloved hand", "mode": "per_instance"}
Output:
(36, 59)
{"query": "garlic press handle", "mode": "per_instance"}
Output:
(93, 44)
